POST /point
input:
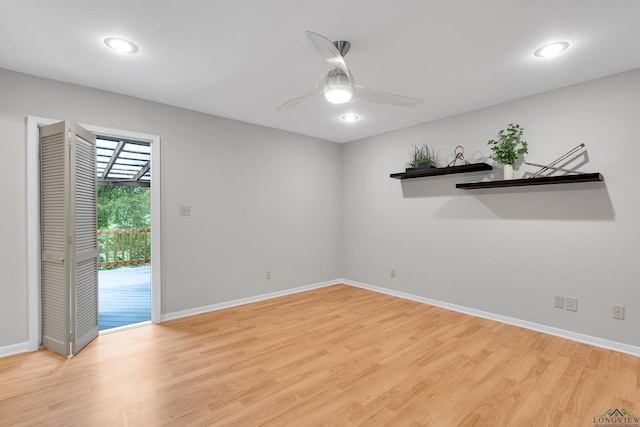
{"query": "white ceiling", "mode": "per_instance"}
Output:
(242, 59)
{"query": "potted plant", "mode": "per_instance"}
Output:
(508, 148)
(422, 158)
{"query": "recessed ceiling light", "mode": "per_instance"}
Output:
(121, 45)
(551, 49)
(350, 117)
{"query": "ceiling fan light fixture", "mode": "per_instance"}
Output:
(551, 49)
(120, 45)
(338, 88)
(338, 93)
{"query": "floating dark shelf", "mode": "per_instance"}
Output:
(474, 167)
(565, 179)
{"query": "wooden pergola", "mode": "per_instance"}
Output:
(123, 162)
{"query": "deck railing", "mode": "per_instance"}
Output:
(130, 246)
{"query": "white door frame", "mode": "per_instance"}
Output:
(33, 221)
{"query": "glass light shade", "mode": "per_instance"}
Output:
(338, 93)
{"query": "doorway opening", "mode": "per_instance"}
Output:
(124, 231)
(33, 221)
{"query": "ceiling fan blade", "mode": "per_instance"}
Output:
(291, 103)
(318, 88)
(328, 51)
(363, 94)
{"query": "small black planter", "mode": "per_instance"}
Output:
(421, 167)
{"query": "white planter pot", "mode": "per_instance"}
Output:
(507, 172)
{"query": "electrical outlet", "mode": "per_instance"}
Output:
(571, 303)
(267, 275)
(185, 210)
(618, 312)
(392, 272)
(558, 301)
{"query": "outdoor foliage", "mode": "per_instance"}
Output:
(121, 207)
(124, 207)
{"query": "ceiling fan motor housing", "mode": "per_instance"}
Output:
(343, 46)
(337, 77)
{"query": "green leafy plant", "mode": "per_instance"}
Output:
(423, 157)
(124, 207)
(509, 146)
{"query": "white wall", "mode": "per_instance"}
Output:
(509, 251)
(260, 199)
(13, 245)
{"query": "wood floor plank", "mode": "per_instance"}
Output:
(336, 356)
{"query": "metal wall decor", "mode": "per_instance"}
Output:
(458, 155)
(575, 151)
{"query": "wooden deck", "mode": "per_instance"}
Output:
(124, 296)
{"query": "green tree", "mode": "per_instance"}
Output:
(124, 207)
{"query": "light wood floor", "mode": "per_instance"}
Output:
(333, 356)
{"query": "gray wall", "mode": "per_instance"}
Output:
(509, 251)
(260, 199)
(312, 211)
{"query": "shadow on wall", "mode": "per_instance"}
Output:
(438, 186)
(572, 202)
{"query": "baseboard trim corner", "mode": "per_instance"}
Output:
(10, 350)
(247, 300)
(550, 330)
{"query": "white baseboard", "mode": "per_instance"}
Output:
(248, 300)
(10, 350)
(562, 333)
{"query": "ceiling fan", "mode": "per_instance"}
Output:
(338, 85)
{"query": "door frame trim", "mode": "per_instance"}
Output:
(33, 221)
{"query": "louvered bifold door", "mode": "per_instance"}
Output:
(85, 251)
(68, 234)
(54, 230)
